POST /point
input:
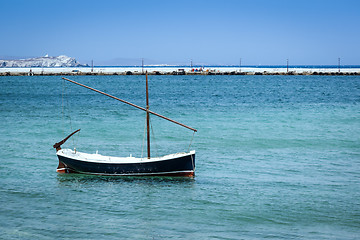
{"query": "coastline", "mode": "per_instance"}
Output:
(177, 70)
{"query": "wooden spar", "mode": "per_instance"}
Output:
(147, 117)
(131, 104)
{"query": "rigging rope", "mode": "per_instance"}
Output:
(191, 141)
(65, 101)
(153, 135)
(62, 108)
(142, 147)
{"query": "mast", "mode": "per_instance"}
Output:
(147, 117)
(131, 104)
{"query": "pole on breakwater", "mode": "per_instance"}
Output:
(339, 64)
(287, 65)
(142, 65)
(240, 65)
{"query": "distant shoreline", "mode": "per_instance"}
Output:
(183, 70)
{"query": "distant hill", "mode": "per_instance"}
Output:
(46, 61)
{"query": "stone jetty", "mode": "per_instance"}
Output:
(64, 71)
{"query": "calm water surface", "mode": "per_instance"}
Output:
(277, 157)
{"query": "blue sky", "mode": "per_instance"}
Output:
(113, 32)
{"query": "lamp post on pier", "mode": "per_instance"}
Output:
(287, 65)
(142, 65)
(240, 65)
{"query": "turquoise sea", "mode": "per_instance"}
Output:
(277, 157)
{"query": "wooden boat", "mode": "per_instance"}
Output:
(73, 161)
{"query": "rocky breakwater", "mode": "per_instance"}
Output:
(75, 70)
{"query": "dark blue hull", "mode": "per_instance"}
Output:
(181, 166)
